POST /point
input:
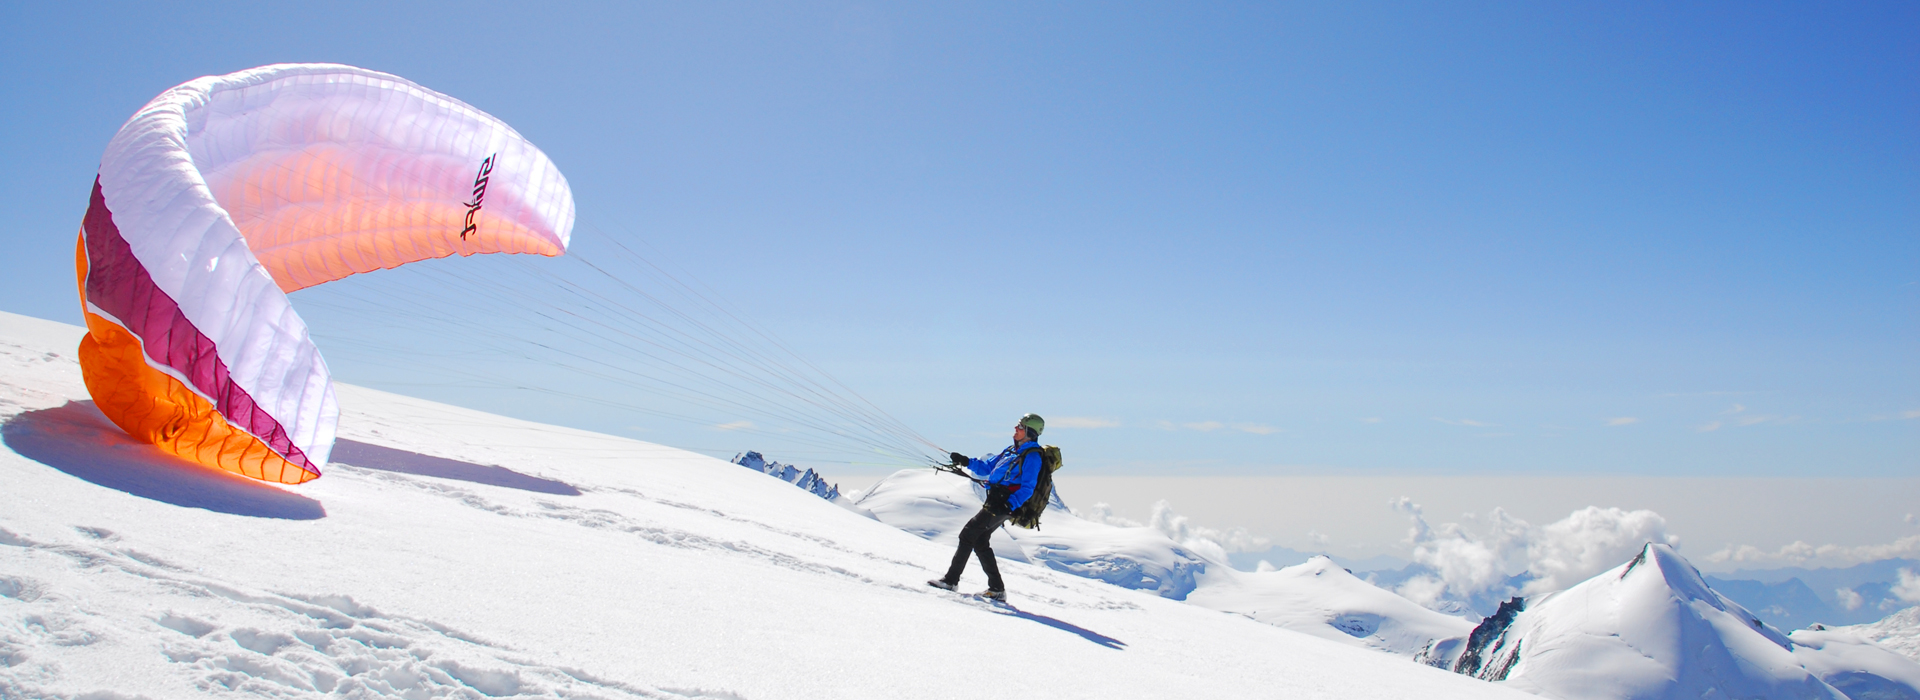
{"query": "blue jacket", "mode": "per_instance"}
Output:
(1009, 468)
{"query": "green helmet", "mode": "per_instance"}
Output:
(1034, 424)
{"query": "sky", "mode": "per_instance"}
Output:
(1347, 239)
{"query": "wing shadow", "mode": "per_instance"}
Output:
(78, 440)
(366, 456)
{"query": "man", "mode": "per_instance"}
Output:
(1010, 480)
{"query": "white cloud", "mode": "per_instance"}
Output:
(1801, 553)
(1463, 562)
(1624, 420)
(1708, 428)
(1205, 541)
(1466, 422)
(736, 425)
(1909, 587)
(1737, 408)
(1848, 598)
(1910, 414)
(1472, 560)
(1103, 514)
(1082, 422)
(1265, 566)
(1211, 543)
(1912, 520)
(1588, 542)
(1370, 420)
(1318, 538)
(1423, 589)
(1208, 426)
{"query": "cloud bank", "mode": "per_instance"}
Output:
(1210, 543)
(1909, 587)
(1474, 559)
(1802, 554)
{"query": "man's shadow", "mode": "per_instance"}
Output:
(77, 439)
(1062, 625)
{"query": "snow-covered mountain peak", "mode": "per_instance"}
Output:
(1318, 565)
(1659, 572)
(1321, 598)
(1653, 628)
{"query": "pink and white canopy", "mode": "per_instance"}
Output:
(225, 193)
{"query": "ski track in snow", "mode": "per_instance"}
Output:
(221, 638)
(815, 539)
(604, 519)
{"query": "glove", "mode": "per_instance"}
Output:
(997, 499)
(959, 460)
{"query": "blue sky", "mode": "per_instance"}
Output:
(1344, 238)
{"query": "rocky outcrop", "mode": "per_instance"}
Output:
(1488, 655)
(809, 480)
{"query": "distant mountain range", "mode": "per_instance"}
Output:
(1793, 598)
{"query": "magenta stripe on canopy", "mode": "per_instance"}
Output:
(120, 285)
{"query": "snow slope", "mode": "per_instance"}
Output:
(471, 555)
(1322, 599)
(1857, 666)
(1899, 632)
(1652, 628)
(1318, 597)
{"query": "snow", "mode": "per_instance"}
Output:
(1323, 599)
(1899, 632)
(473, 556)
(1856, 665)
(1318, 597)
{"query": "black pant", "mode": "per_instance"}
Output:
(975, 538)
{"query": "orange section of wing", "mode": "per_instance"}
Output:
(154, 407)
(358, 237)
(309, 218)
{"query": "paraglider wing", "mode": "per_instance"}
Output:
(225, 193)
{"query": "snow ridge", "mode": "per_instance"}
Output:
(1899, 632)
(808, 481)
